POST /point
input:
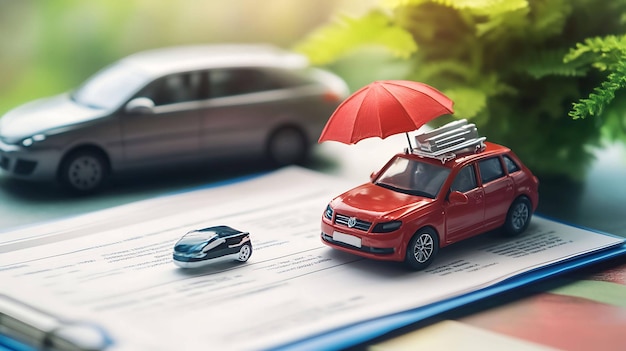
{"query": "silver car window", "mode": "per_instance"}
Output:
(176, 88)
(238, 81)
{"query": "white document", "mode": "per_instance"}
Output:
(114, 268)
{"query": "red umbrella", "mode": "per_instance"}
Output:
(384, 108)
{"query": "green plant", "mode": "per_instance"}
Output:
(517, 68)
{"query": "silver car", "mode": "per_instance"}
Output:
(169, 106)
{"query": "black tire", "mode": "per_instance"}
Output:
(422, 249)
(84, 171)
(245, 251)
(518, 216)
(286, 146)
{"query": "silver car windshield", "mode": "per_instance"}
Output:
(110, 87)
(413, 177)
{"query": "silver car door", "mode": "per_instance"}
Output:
(170, 131)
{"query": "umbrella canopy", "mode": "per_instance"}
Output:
(384, 108)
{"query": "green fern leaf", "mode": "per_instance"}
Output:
(605, 54)
(337, 39)
(486, 16)
(477, 7)
(468, 102)
(601, 96)
(450, 70)
(601, 49)
(548, 18)
(539, 64)
(504, 25)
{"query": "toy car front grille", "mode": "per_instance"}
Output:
(352, 222)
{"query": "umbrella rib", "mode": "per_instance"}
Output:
(420, 92)
(361, 106)
(405, 113)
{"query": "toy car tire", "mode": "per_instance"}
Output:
(83, 171)
(287, 145)
(422, 249)
(518, 216)
(244, 253)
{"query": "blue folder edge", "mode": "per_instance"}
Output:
(358, 333)
(8, 344)
(361, 332)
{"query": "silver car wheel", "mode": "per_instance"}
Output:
(84, 171)
(244, 253)
(287, 146)
(519, 216)
(423, 248)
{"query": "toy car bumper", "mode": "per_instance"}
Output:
(384, 247)
(184, 261)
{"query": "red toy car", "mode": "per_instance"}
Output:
(451, 187)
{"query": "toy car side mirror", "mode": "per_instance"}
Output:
(140, 106)
(457, 198)
(373, 176)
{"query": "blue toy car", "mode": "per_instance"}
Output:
(198, 247)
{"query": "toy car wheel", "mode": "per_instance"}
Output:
(287, 145)
(84, 171)
(244, 253)
(518, 217)
(422, 249)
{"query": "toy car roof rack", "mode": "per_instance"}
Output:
(446, 142)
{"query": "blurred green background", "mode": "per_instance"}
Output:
(544, 77)
(48, 47)
(501, 61)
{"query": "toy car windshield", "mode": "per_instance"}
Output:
(195, 241)
(413, 177)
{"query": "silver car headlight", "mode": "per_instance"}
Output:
(27, 142)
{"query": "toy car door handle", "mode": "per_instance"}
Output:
(478, 198)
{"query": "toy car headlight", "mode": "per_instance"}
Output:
(387, 227)
(190, 254)
(328, 213)
(34, 139)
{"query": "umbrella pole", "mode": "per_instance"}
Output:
(409, 140)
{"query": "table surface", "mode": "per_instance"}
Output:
(597, 203)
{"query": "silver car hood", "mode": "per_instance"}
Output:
(43, 115)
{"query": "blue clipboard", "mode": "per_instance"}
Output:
(348, 336)
(361, 332)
